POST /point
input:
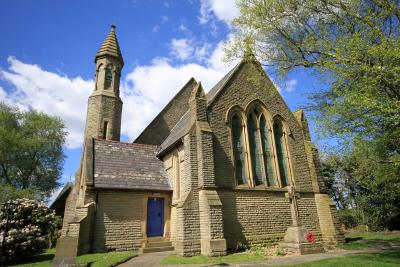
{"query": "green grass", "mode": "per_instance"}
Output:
(230, 258)
(382, 259)
(94, 260)
(385, 236)
(363, 240)
(42, 260)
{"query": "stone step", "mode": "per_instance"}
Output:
(157, 249)
(155, 239)
(158, 244)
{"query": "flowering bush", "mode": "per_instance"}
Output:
(25, 226)
(310, 237)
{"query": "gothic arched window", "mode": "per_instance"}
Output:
(239, 150)
(282, 156)
(108, 76)
(255, 148)
(267, 152)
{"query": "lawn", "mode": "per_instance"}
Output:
(362, 240)
(95, 260)
(382, 259)
(230, 258)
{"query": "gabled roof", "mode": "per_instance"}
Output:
(183, 125)
(179, 130)
(161, 126)
(120, 165)
(213, 93)
(110, 47)
(59, 202)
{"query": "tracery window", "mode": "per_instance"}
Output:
(282, 156)
(239, 150)
(267, 161)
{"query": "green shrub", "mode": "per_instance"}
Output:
(349, 217)
(25, 229)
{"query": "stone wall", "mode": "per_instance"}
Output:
(120, 219)
(246, 86)
(254, 217)
(262, 217)
(103, 108)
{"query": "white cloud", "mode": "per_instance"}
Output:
(202, 52)
(149, 88)
(145, 91)
(284, 85)
(164, 19)
(181, 48)
(224, 10)
(49, 92)
(290, 85)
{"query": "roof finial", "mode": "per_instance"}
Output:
(113, 27)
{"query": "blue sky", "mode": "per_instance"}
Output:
(47, 51)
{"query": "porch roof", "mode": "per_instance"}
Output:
(118, 165)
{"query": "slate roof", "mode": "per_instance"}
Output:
(180, 129)
(110, 46)
(59, 202)
(120, 165)
(183, 125)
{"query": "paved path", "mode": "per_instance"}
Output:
(147, 260)
(153, 259)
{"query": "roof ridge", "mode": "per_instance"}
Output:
(124, 143)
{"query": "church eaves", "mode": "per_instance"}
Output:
(110, 47)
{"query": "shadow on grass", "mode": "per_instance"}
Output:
(353, 239)
(48, 255)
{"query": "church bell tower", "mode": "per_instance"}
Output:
(104, 105)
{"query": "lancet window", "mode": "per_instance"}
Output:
(260, 149)
(108, 76)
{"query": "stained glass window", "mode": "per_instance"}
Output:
(281, 152)
(255, 150)
(267, 152)
(238, 146)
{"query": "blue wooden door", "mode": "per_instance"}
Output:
(155, 216)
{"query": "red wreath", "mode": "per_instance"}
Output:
(310, 238)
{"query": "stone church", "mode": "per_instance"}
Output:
(211, 172)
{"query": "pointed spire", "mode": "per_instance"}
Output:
(110, 47)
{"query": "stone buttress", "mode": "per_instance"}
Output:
(199, 215)
(331, 230)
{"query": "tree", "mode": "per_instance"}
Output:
(31, 154)
(365, 189)
(354, 46)
(353, 43)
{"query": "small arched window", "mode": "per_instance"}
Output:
(108, 76)
(267, 153)
(280, 143)
(239, 150)
(255, 149)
